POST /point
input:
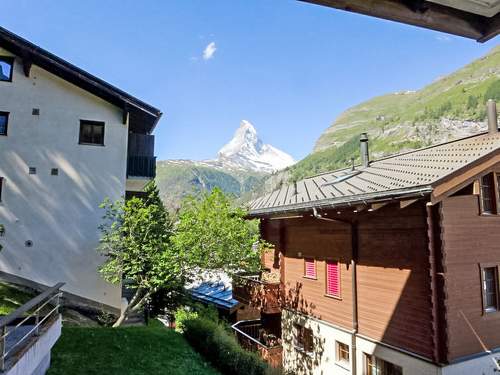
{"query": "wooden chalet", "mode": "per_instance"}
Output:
(388, 267)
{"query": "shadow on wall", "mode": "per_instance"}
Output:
(59, 214)
(394, 290)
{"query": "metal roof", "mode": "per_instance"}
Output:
(411, 173)
(216, 293)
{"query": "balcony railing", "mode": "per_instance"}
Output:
(255, 291)
(141, 166)
(21, 328)
(252, 336)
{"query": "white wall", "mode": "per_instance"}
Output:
(323, 361)
(59, 214)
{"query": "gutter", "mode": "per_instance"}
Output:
(343, 202)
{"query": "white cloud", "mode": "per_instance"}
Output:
(443, 38)
(209, 51)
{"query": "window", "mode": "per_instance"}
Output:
(309, 268)
(54, 172)
(1, 186)
(91, 133)
(303, 338)
(32, 170)
(488, 205)
(489, 276)
(6, 65)
(377, 366)
(342, 352)
(4, 122)
(332, 278)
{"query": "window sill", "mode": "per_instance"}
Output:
(91, 144)
(493, 315)
(333, 297)
(309, 277)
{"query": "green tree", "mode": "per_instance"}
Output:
(212, 234)
(135, 239)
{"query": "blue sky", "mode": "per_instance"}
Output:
(288, 67)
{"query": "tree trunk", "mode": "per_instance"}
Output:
(124, 314)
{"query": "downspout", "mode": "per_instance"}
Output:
(434, 284)
(354, 261)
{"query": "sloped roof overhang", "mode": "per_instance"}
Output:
(479, 20)
(142, 117)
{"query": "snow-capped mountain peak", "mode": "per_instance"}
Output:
(246, 150)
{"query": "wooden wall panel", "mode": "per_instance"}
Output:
(320, 240)
(394, 301)
(468, 240)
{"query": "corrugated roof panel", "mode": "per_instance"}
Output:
(422, 167)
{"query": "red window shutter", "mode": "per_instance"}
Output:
(332, 278)
(310, 268)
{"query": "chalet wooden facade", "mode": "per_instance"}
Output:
(389, 268)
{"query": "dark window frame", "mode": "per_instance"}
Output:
(495, 308)
(488, 194)
(1, 187)
(9, 60)
(93, 124)
(6, 114)
(304, 338)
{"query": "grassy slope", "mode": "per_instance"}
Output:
(11, 298)
(134, 351)
(390, 118)
(175, 181)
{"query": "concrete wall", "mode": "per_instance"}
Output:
(36, 360)
(59, 214)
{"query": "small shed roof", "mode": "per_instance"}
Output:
(216, 293)
(409, 174)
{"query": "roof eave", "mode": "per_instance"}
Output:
(413, 192)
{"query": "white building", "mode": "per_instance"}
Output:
(68, 140)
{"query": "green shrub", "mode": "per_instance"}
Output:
(221, 349)
(183, 314)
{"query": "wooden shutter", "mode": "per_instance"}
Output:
(310, 268)
(332, 278)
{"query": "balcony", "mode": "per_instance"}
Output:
(254, 337)
(141, 163)
(260, 291)
(141, 166)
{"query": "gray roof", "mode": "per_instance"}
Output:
(411, 173)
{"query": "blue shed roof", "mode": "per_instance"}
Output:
(216, 293)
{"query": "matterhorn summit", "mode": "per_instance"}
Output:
(247, 151)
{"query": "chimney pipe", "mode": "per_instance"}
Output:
(365, 155)
(491, 108)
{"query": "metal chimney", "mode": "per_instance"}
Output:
(491, 109)
(363, 144)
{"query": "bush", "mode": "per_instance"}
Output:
(221, 349)
(182, 315)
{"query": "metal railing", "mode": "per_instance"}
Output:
(32, 310)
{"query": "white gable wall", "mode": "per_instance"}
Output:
(59, 214)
